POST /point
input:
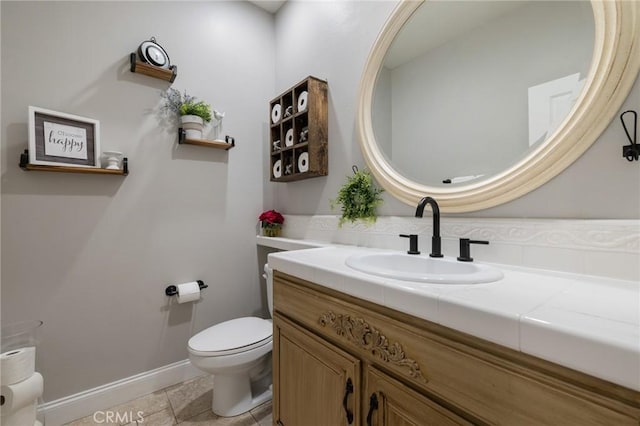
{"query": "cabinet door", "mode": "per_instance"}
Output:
(390, 403)
(314, 382)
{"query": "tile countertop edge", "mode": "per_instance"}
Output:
(281, 243)
(332, 262)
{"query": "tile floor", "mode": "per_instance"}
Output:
(186, 404)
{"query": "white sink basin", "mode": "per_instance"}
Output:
(425, 269)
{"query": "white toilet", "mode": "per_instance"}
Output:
(238, 354)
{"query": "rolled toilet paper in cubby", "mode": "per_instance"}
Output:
(277, 169)
(19, 395)
(188, 292)
(276, 113)
(303, 162)
(17, 365)
(302, 101)
(288, 138)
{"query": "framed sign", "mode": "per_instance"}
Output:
(60, 139)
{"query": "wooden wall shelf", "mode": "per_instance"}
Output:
(225, 144)
(298, 132)
(140, 67)
(25, 165)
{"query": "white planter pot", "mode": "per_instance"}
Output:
(193, 126)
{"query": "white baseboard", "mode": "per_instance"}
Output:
(85, 403)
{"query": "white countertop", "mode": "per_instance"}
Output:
(590, 324)
(282, 243)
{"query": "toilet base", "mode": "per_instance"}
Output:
(240, 381)
(238, 394)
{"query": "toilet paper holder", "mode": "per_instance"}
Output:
(172, 290)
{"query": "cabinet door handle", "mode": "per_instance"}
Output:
(373, 405)
(348, 390)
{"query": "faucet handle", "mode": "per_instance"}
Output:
(465, 249)
(413, 243)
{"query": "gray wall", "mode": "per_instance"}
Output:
(332, 40)
(91, 255)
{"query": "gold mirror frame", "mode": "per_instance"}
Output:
(613, 71)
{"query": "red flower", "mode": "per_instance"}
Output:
(271, 217)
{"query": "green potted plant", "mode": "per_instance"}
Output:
(193, 113)
(359, 198)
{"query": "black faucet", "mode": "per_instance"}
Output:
(465, 249)
(413, 243)
(436, 243)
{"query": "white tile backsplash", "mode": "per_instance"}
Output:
(554, 258)
(609, 248)
(612, 264)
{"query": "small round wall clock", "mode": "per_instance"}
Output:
(152, 53)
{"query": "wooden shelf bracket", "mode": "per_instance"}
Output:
(140, 67)
(226, 144)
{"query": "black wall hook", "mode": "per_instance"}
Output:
(631, 152)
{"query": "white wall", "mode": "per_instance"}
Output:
(91, 255)
(332, 40)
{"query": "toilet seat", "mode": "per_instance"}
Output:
(232, 337)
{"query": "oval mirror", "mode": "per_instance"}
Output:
(479, 102)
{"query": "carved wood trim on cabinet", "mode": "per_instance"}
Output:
(356, 331)
(478, 380)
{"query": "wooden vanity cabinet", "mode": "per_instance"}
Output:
(316, 381)
(334, 354)
(390, 402)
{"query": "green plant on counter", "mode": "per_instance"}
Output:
(359, 198)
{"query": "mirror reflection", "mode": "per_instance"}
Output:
(469, 87)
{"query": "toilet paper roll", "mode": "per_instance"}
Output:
(277, 169)
(276, 112)
(303, 162)
(24, 416)
(17, 365)
(288, 138)
(302, 101)
(188, 292)
(19, 395)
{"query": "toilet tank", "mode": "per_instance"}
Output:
(268, 276)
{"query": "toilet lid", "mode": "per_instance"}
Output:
(233, 336)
